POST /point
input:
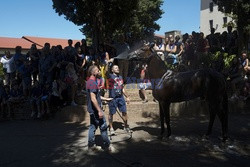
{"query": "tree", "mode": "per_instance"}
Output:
(103, 20)
(241, 11)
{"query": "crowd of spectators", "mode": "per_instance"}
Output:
(58, 74)
(197, 51)
(48, 78)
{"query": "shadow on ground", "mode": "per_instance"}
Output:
(58, 144)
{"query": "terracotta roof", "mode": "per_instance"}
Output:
(6, 42)
(159, 36)
(40, 41)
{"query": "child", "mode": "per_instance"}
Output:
(45, 99)
(71, 80)
(35, 101)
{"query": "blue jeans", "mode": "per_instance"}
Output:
(95, 122)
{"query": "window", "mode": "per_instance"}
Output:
(225, 20)
(211, 6)
(211, 23)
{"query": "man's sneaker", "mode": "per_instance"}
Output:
(112, 131)
(111, 149)
(127, 129)
(95, 148)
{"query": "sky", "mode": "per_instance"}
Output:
(37, 18)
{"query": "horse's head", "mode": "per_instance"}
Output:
(156, 66)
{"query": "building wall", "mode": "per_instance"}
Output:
(215, 16)
(12, 51)
(173, 33)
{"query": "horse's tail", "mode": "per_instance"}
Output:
(225, 110)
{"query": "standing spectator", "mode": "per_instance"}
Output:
(9, 68)
(70, 46)
(144, 84)
(34, 56)
(84, 46)
(94, 106)
(103, 62)
(25, 73)
(80, 62)
(189, 52)
(71, 81)
(229, 40)
(117, 92)
(202, 47)
(46, 65)
(213, 41)
(19, 59)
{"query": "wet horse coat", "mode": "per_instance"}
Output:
(177, 87)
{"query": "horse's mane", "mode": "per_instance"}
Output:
(156, 56)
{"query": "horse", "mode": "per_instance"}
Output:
(169, 87)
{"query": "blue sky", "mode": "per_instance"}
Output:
(37, 18)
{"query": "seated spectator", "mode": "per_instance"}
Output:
(35, 101)
(171, 48)
(56, 94)
(16, 96)
(245, 62)
(25, 71)
(179, 48)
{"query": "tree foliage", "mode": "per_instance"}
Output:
(241, 13)
(106, 19)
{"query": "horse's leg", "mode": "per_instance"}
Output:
(223, 116)
(165, 107)
(162, 121)
(212, 114)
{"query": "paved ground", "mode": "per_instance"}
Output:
(56, 143)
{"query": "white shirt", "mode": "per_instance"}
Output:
(9, 64)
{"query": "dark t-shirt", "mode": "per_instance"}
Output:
(115, 86)
(36, 92)
(92, 86)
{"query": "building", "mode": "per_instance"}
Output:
(158, 37)
(25, 42)
(173, 33)
(211, 17)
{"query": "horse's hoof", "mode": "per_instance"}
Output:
(224, 139)
(160, 137)
(205, 138)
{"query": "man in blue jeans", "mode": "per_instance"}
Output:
(117, 93)
(97, 119)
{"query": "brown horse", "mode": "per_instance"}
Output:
(171, 87)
